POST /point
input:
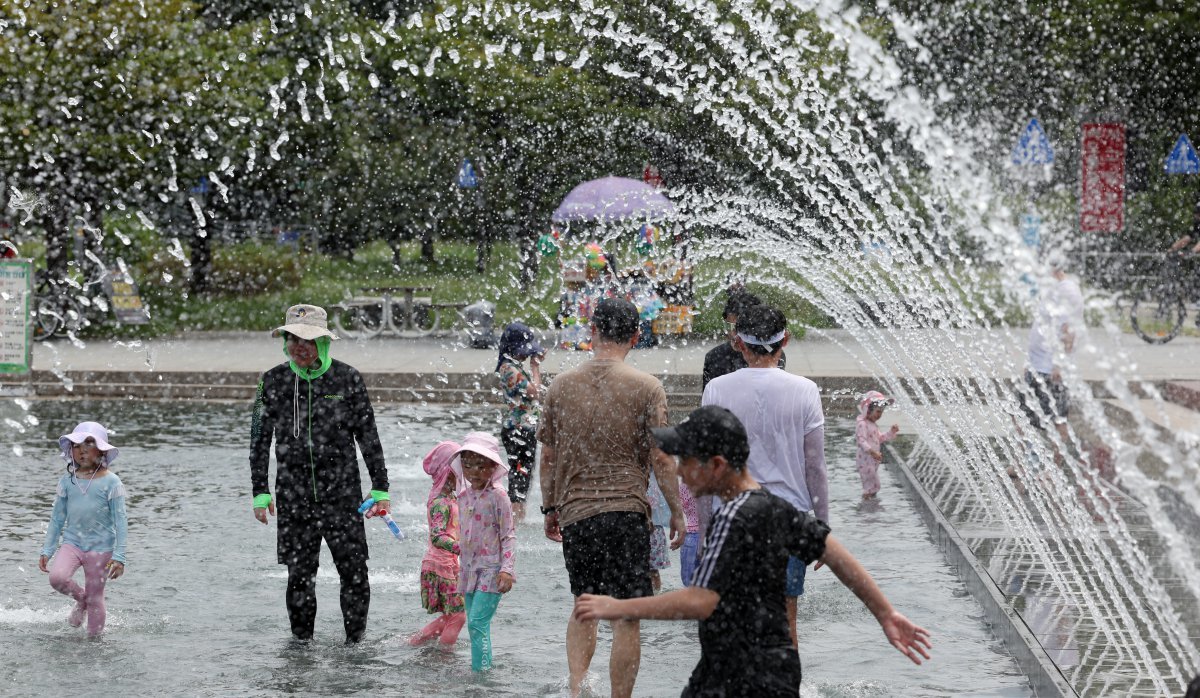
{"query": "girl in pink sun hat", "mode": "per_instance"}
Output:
(870, 440)
(488, 539)
(89, 515)
(439, 568)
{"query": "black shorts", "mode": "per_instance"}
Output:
(1053, 402)
(753, 673)
(609, 554)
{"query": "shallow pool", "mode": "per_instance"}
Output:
(200, 610)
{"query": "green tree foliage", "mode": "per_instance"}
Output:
(352, 116)
(88, 93)
(996, 65)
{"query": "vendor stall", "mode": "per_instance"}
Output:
(609, 245)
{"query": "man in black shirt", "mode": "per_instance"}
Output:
(738, 593)
(724, 358)
(316, 409)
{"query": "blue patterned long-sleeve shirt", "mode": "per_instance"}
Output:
(90, 515)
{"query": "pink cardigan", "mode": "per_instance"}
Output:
(488, 539)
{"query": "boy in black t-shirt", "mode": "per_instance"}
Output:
(738, 591)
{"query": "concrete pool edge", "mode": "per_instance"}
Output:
(1044, 676)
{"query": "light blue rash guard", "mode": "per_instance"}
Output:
(90, 515)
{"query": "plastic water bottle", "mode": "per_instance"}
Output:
(387, 518)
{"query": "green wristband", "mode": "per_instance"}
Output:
(262, 501)
(380, 496)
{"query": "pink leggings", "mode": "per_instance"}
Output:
(91, 597)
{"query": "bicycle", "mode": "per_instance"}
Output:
(1157, 314)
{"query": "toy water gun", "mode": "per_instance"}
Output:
(387, 518)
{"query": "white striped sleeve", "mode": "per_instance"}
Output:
(718, 533)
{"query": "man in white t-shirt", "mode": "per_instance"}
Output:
(783, 418)
(1056, 325)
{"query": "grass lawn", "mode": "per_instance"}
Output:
(254, 284)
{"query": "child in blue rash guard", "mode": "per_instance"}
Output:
(89, 515)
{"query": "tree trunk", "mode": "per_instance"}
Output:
(483, 254)
(201, 259)
(529, 261)
(58, 242)
(427, 233)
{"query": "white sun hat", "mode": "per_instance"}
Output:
(83, 432)
(306, 322)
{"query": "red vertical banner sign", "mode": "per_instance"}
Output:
(1102, 161)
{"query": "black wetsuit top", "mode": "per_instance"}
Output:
(315, 425)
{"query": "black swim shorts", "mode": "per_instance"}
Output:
(609, 554)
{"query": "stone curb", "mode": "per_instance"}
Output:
(683, 389)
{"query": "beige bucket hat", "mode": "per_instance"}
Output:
(306, 322)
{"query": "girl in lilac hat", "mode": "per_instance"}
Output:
(89, 515)
(439, 568)
(488, 540)
(870, 440)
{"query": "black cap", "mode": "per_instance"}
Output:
(708, 431)
(616, 319)
(739, 300)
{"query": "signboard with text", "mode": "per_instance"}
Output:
(1102, 177)
(16, 299)
(126, 302)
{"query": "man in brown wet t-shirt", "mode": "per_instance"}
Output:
(597, 452)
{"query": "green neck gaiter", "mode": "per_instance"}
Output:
(323, 357)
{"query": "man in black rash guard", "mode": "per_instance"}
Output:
(737, 593)
(316, 409)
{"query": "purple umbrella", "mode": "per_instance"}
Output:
(613, 198)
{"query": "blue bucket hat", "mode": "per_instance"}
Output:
(519, 342)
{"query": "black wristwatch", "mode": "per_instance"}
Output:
(546, 511)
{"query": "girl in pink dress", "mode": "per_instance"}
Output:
(488, 539)
(870, 439)
(439, 568)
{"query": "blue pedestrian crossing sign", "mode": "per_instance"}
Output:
(1183, 158)
(1032, 148)
(466, 175)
